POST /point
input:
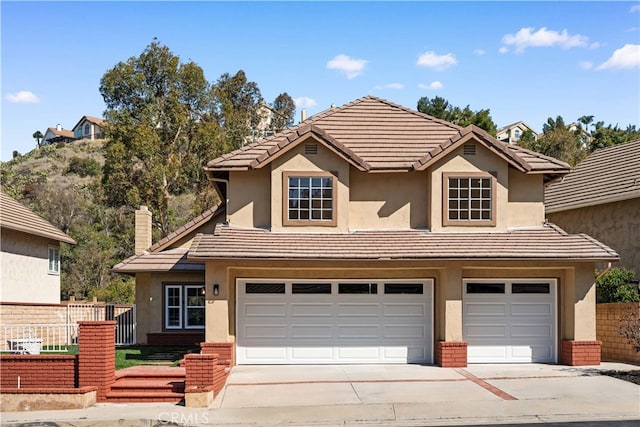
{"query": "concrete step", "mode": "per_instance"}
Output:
(150, 385)
(144, 396)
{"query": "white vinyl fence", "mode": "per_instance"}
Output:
(33, 338)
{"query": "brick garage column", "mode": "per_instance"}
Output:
(580, 353)
(451, 354)
(97, 356)
(225, 351)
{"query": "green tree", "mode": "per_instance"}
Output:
(440, 108)
(607, 136)
(283, 109)
(158, 119)
(586, 121)
(557, 141)
(237, 104)
(616, 286)
(37, 135)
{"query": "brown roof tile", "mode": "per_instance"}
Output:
(61, 132)
(15, 216)
(542, 243)
(375, 134)
(607, 175)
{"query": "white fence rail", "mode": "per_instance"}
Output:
(36, 338)
(33, 338)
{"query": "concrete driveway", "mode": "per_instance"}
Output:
(483, 393)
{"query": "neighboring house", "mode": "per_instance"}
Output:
(512, 133)
(585, 137)
(29, 255)
(601, 197)
(56, 135)
(89, 128)
(372, 233)
(169, 289)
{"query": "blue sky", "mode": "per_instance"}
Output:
(522, 60)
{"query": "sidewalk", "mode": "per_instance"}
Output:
(383, 395)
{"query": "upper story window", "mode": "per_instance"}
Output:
(309, 198)
(469, 199)
(516, 134)
(87, 129)
(54, 260)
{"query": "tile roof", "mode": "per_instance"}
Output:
(540, 243)
(62, 132)
(374, 134)
(173, 260)
(15, 216)
(90, 119)
(607, 175)
(159, 258)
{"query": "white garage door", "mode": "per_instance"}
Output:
(510, 321)
(329, 321)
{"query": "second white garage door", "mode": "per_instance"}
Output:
(329, 321)
(510, 321)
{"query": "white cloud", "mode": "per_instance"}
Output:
(479, 52)
(627, 56)
(395, 86)
(634, 8)
(631, 30)
(526, 37)
(586, 65)
(503, 50)
(352, 67)
(435, 85)
(22, 97)
(305, 102)
(431, 59)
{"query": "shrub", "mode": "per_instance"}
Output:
(629, 327)
(615, 286)
(83, 166)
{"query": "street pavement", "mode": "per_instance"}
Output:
(384, 395)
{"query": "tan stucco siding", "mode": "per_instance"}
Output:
(387, 200)
(615, 224)
(24, 266)
(250, 198)
(150, 299)
(457, 162)
(297, 161)
(526, 200)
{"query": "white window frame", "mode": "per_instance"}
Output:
(167, 306)
(54, 260)
(188, 307)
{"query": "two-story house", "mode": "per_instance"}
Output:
(372, 233)
(89, 128)
(512, 133)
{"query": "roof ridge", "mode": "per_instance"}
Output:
(416, 112)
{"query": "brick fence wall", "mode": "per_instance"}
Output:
(614, 346)
(53, 371)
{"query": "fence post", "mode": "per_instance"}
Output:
(97, 356)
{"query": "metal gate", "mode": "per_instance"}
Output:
(123, 314)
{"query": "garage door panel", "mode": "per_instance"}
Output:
(486, 353)
(486, 309)
(531, 309)
(486, 330)
(531, 331)
(403, 310)
(265, 331)
(266, 309)
(345, 327)
(311, 331)
(353, 310)
(306, 310)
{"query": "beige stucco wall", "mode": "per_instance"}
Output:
(526, 200)
(296, 161)
(250, 198)
(482, 161)
(576, 291)
(150, 297)
(388, 200)
(614, 224)
(24, 265)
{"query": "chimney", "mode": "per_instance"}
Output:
(58, 126)
(303, 115)
(143, 238)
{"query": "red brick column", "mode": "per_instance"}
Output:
(97, 356)
(580, 353)
(200, 370)
(451, 354)
(224, 350)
